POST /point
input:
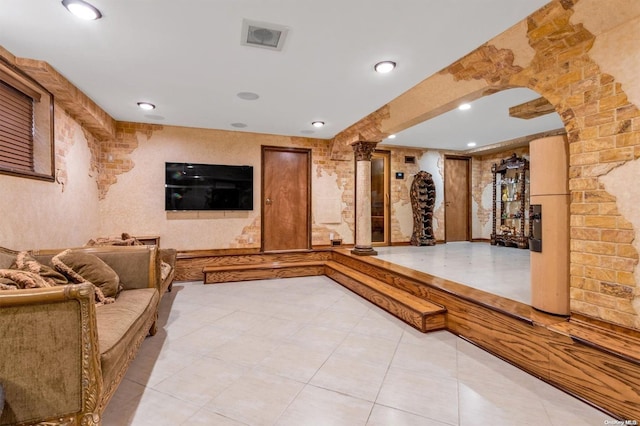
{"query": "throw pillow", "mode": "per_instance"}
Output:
(12, 279)
(85, 267)
(25, 262)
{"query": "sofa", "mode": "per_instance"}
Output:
(65, 350)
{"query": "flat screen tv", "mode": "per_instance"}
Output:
(190, 186)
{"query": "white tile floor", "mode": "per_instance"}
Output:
(500, 270)
(306, 351)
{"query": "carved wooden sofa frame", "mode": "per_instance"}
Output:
(52, 370)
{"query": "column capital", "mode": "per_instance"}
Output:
(363, 150)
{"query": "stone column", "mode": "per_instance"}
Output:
(363, 151)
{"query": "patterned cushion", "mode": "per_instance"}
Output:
(84, 267)
(25, 262)
(12, 279)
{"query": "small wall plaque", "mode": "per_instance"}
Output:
(399, 175)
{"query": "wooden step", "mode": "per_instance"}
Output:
(261, 271)
(419, 313)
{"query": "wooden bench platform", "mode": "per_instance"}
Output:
(415, 311)
(261, 271)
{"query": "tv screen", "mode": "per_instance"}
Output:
(190, 186)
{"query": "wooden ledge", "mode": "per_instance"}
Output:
(192, 254)
(614, 340)
(270, 265)
(511, 308)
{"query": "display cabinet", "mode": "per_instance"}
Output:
(511, 225)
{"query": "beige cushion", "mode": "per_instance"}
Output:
(80, 267)
(120, 324)
(25, 262)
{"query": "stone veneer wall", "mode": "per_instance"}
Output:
(132, 186)
(583, 57)
(132, 200)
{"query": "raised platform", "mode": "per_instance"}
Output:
(415, 311)
(599, 363)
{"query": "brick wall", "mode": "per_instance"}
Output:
(110, 158)
(604, 131)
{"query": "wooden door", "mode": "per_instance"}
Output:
(286, 199)
(457, 210)
(380, 206)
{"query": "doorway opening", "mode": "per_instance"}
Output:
(380, 198)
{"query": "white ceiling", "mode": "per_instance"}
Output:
(486, 122)
(186, 57)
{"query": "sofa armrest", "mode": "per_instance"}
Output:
(51, 369)
(169, 256)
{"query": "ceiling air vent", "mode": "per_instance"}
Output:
(262, 34)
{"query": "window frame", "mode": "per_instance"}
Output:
(42, 117)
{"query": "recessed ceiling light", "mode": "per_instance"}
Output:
(384, 66)
(82, 9)
(239, 125)
(471, 144)
(317, 123)
(146, 106)
(464, 107)
(391, 137)
(248, 96)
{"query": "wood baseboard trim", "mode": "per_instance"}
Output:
(193, 254)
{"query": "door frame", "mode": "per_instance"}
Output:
(306, 151)
(468, 159)
(386, 154)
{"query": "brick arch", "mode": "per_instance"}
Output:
(550, 54)
(598, 118)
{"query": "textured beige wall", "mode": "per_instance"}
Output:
(606, 53)
(39, 214)
(135, 203)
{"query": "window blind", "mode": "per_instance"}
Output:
(16, 129)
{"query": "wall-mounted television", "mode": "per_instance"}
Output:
(190, 186)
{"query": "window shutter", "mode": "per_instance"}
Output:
(16, 129)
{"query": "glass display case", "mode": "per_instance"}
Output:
(511, 224)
